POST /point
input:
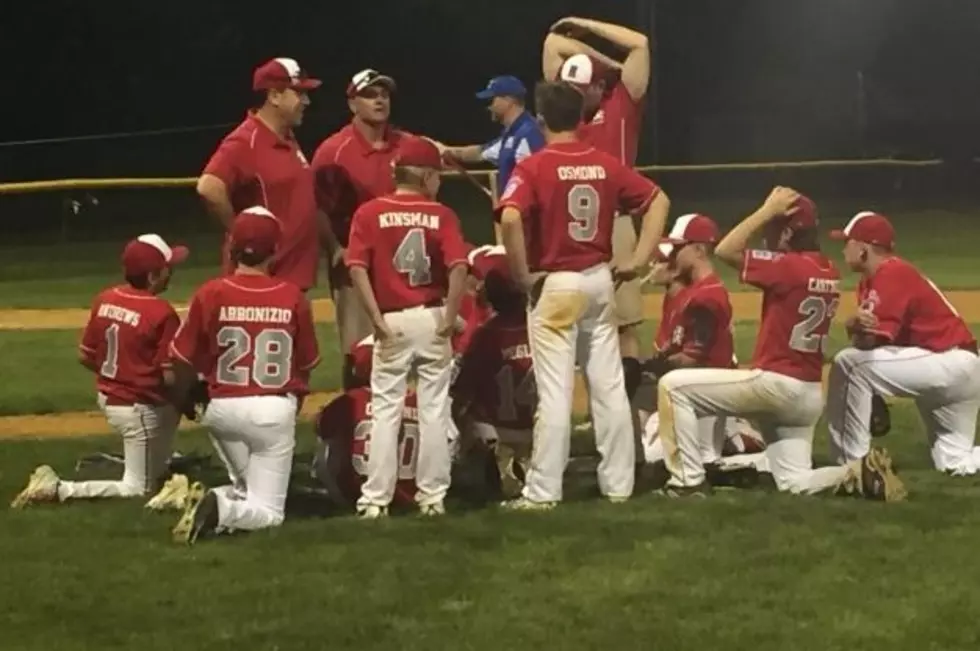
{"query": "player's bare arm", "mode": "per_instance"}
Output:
(512, 234)
(651, 231)
(454, 296)
(362, 284)
(732, 247)
(634, 69)
(462, 153)
(213, 192)
(558, 47)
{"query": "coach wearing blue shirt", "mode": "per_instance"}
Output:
(520, 138)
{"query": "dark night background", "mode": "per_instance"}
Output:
(734, 80)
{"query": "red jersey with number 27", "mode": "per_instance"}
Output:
(250, 335)
(800, 295)
(344, 424)
(408, 244)
(911, 310)
(128, 338)
(568, 195)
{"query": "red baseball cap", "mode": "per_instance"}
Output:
(487, 259)
(868, 227)
(805, 215)
(255, 231)
(582, 70)
(150, 252)
(282, 73)
(418, 152)
(693, 228)
(369, 77)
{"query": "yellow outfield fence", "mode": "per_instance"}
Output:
(27, 187)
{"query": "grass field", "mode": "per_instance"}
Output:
(748, 570)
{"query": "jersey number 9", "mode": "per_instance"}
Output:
(583, 207)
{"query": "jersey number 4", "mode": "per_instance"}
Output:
(412, 259)
(408, 448)
(272, 357)
(816, 310)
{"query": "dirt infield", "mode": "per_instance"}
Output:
(745, 306)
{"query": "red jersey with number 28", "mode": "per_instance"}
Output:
(249, 335)
(496, 379)
(911, 310)
(408, 244)
(128, 337)
(568, 195)
(800, 295)
(344, 424)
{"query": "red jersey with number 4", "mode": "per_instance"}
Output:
(911, 310)
(128, 337)
(615, 127)
(408, 244)
(800, 295)
(344, 424)
(496, 379)
(702, 324)
(249, 335)
(568, 195)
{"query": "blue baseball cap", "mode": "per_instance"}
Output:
(503, 85)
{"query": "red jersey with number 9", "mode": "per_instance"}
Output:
(344, 424)
(568, 195)
(128, 338)
(249, 335)
(408, 244)
(496, 379)
(911, 310)
(800, 295)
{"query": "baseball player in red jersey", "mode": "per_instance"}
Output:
(782, 392)
(908, 341)
(252, 337)
(561, 203)
(499, 411)
(407, 260)
(125, 343)
(614, 92)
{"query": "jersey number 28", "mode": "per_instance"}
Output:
(272, 357)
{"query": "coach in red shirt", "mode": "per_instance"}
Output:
(260, 164)
(351, 167)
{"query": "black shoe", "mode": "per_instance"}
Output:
(743, 478)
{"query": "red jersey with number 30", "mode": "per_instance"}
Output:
(250, 335)
(495, 378)
(344, 424)
(911, 310)
(128, 338)
(408, 244)
(568, 195)
(800, 295)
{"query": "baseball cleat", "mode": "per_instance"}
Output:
(173, 495)
(200, 515)
(432, 510)
(372, 512)
(42, 486)
(878, 478)
(700, 491)
(524, 504)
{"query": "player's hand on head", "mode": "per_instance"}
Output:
(781, 201)
(568, 26)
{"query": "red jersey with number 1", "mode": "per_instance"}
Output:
(249, 335)
(128, 338)
(496, 379)
(800, 295)
(568, 195)
(911, 310)
(408, 244)
(344, 424)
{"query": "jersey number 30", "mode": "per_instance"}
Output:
(817, 310)
(408, 449)
(272, 357)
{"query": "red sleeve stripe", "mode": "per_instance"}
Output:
(179, 355)
(456, 262)
(84, 348)
(646, 202)
(358, 263)
(312, 364)
(745, 266)
(508, 204)
(881, 333)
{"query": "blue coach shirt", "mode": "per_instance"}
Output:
(518, 141)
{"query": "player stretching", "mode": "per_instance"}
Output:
(560, 203)
(907, 340)
(782, 392)
(407, 261)
(252, 337)
(125, 343)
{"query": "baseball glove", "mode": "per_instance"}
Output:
(197, 400)
(657, 366)
(881, 419)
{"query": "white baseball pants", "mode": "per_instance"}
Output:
(255, 437)
(148, 437)
(415, 347)
(714, 432)
(571, 321)
(784, 409)
(945, 386)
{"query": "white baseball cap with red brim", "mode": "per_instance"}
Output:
(149, 253)
(693, 228)
(282, 73)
